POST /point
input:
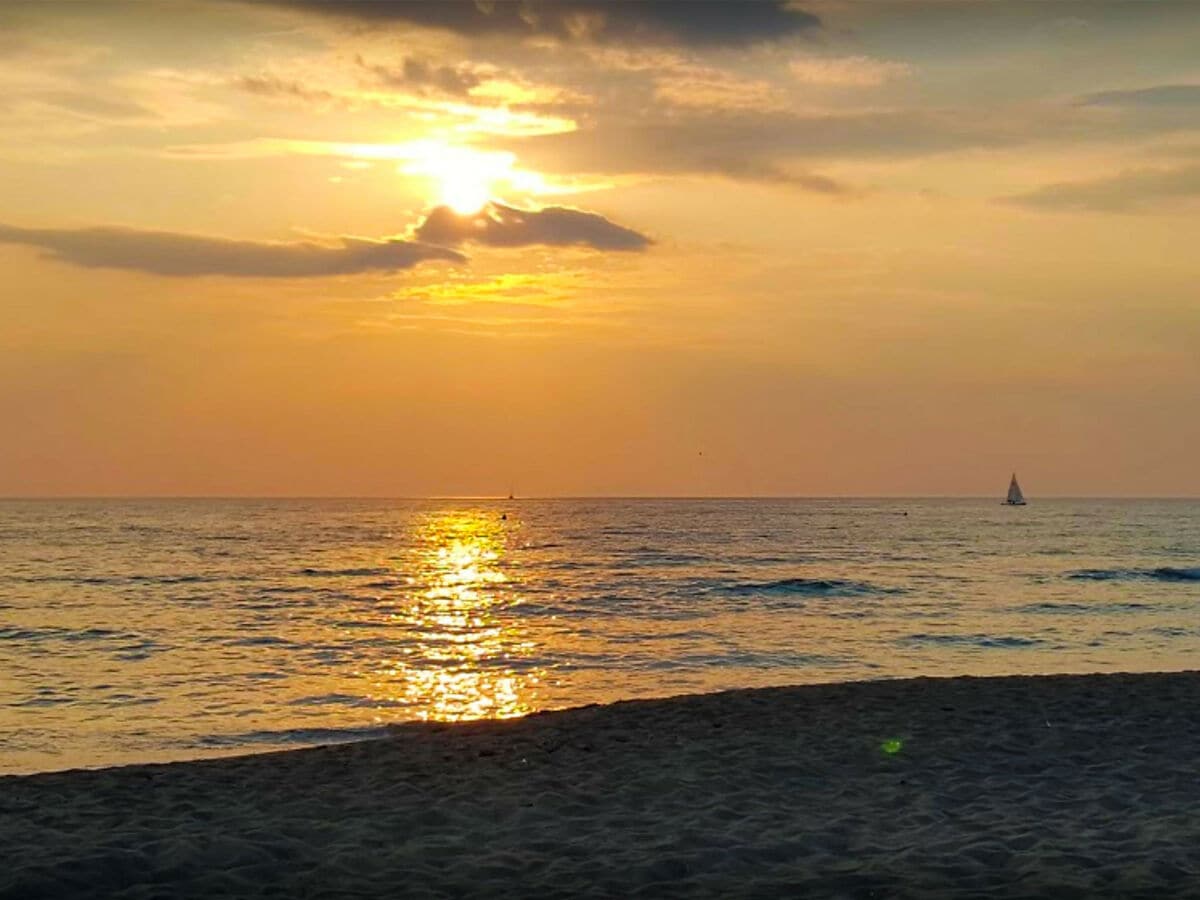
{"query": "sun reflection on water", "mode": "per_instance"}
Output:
(468, 658)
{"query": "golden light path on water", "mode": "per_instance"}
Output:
(462, 666)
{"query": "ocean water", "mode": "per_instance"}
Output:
(136, 631)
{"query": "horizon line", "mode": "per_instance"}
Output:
(506, 498)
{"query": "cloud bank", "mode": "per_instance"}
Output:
(695, 22)
(181, 255)
(498, 225)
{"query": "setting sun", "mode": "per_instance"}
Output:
(464, 195)
(464, 179)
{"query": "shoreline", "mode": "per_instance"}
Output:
(1012, 786)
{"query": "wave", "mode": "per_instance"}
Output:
(746, 659)
(1072, 608)
(807, 587)
(347, 573)
(291, 737)
(327, 700)
(648, 555)
(987, 641)
(1175, 631)
(51, 633)
(1161, 573)
(386, 584)
(125, 579)
(261, 640)
(355, 701)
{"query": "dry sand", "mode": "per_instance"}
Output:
(1064, 786)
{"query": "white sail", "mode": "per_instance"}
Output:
(1015, 497)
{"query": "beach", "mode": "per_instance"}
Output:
(1047, 786)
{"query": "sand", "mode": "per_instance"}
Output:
(1062, 786)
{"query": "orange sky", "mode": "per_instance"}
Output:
(407, 248)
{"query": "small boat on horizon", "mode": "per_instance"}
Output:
(1015, 497)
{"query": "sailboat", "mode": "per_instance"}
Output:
(1015, 497)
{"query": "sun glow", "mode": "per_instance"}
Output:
(461, 177)
(465, 179)
(465, 195)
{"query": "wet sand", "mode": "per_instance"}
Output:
(1058, 786)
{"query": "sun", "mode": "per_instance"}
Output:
(466, 179)
(464, 193)
(463, 178)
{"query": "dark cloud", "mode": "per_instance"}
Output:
(419, 74)
(498, 225)
(699, 22)
(1139, 190)
(1169, 95)
(170, 253)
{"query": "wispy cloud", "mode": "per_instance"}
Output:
(498, 225)
(180, 255)
(847, 71)
(748, 145)
(1168, 95)
(274, 86)
(774, 145)
(1137, 190)
(700, 87)
(95, 106)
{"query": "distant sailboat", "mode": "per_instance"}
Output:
(1015, 497)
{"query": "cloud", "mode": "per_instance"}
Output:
(703, 88)
(498, 225)
(273, 86)
(847, 71)
(421, 74)
(697, 22)
(767, 145)
(94, 106)
(1162, 95)
(749, 170)
(1137, 190)
(749, 145)
(1158, 108)
(181, 255)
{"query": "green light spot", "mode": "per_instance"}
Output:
(892, 746)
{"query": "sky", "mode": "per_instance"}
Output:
(574, 247)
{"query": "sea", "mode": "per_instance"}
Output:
(153, 630)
